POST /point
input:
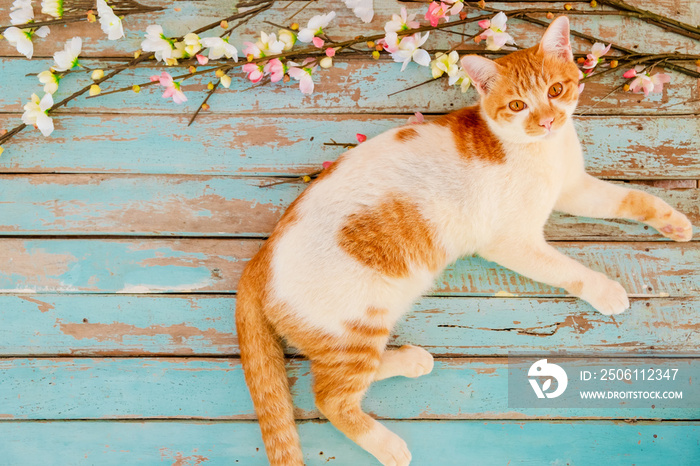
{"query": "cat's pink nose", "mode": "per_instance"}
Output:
(546, 122)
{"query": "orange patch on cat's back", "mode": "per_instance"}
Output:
(406, 134)
(472, 135)
(390, 237)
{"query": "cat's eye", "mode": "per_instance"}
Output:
(517, 105)
(555, 90)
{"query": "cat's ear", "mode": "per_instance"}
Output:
(481, 71)
(556, 39)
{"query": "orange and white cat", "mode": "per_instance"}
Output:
(354, 251)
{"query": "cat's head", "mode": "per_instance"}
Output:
(531, 93)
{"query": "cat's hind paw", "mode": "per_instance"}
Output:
(386, 446)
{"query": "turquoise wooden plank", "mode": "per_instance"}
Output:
(123, 266)
(214, 265)
(218, 206)
(144, 388)
(453, 442)
(614, 147)
(111, 325)
(354, 86)
(204, 325)
(192, 14)
(142, 205)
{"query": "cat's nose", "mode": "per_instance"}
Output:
(546, 122)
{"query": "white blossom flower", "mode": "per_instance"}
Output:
(363, 9)
(36, 113)
(445, 63)
(315, 27)
(68, 57)
(49, 80)
(495, 34)
(192, 45)
(21, 39)
(158, 43)
(219, 47)
(462, 80)
(110, 23)
(401, 22)
(409, 49)
(21, 12)
(52, 8)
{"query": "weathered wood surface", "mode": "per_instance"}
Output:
(356, 86)
(214, 265)
(138, 325)
(213, 388)
(183, 443)
(220, 206)
(628, 32)
(617, 147)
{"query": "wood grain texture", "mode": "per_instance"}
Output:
(614, 147)
(356, 86)
(214, 265)
(194, 388)
(220, 206)
(181, 443)
(203, 325)
(628, 32)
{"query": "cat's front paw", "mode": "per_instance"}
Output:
(674, 225)
(605, 295)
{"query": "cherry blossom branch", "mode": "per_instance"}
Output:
(680, 69)
(139, 57)
(120, 8)
(654, 18)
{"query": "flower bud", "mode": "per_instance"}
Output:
(97, 74)
(136, 88)
(288, 37)
(95, 89)
(326, 62)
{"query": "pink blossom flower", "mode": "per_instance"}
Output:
(390, 42)
(318, 42)
(361, 138)
(201, 59)
(254, 72)
(327, 164)
(303, 73)
(495, 35)
(172, 88)
(275, 69)
(436, 11)
(402, 22)
(416, 118)
(251, 49)
(594, 58)
(645, 82)
(330, 52)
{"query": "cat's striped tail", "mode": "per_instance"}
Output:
(262, 357)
